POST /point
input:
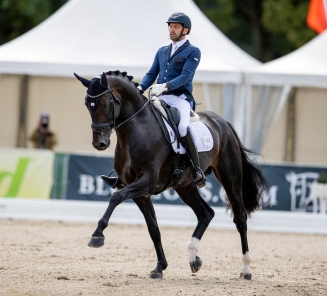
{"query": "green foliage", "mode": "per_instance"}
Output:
(287, 18)
(19, 16)
(322, 179)
(266, 29)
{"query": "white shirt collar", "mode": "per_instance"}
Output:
(176, 45)
(179, 43)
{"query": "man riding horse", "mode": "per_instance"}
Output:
(175, 66)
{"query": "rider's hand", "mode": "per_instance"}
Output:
(140, 89)
(158, 89)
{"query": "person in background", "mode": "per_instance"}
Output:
(42, 137)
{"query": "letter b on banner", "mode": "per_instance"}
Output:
(86, 184)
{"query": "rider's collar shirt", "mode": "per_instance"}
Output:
(175, 46)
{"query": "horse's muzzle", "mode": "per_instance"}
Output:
(102, 143)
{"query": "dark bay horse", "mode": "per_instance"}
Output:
(144, 161)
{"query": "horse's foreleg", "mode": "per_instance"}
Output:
(204, 214)
(138, 188)
(146, 207)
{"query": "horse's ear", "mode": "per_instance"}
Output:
(104, 81)
(84, 81)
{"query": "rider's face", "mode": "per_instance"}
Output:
(175, 30)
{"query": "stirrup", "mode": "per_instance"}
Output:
(113, 182)
(198, 177)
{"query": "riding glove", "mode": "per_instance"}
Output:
(140, 89)
(158, 89)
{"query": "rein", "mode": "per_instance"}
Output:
(112, 126)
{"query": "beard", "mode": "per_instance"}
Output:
(173, 37)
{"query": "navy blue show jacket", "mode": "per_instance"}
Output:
(176, 71)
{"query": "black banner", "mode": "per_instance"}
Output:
(289, 186)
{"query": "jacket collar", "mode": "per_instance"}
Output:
(187, 43)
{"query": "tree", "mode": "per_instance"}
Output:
(18, 17)
(266, 29)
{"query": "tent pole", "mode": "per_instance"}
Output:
(22, 121)
(290, 129)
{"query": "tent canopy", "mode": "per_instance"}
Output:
(92, 36)
(306, 67)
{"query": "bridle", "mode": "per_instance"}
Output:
(112, 125)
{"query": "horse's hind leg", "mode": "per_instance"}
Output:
(190, 195)
(230, 176)
(145, 205)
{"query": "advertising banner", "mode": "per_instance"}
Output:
(26, 173)
(289, 186)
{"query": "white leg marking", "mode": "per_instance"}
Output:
(246, 263)
(192, 248)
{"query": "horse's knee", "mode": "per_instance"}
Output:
(116, 198)
(207, 216)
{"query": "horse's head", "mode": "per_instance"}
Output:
(101, 103)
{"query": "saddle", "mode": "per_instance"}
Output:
(162, 106)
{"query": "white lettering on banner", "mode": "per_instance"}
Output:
(270, 197)
(89, 185)
(299, 183)
(86, 184)
(170, 195)
(206, 193)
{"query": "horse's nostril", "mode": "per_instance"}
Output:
(99, 146)
(102, 146)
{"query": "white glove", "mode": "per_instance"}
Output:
(158, 89)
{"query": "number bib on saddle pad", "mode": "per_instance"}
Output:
(202, 137)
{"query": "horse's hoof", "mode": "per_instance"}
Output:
(245, 276)
(96, 242)
(196, 265)
(155, 275)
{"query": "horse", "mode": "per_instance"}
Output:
(144, 160)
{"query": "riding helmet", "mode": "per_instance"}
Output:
(181, 18)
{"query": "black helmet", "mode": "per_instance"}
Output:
(181, 18)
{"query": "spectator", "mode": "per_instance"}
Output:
(42, 137)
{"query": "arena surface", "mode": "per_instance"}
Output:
(52, 258)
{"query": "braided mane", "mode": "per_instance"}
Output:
(123, 75)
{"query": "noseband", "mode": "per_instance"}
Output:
(112, 125)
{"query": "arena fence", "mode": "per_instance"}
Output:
(36, 184)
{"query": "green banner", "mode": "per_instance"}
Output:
(26, 173)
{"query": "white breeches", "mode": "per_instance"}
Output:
(184, 108)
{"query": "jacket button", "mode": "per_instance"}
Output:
(164, 77)
(166, 70)
(167, 63)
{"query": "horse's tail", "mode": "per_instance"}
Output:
(254, 183)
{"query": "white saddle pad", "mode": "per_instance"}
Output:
(202, 137)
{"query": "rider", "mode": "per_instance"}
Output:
(174, 66)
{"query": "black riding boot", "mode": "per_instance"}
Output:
(113, 182)
(198, 178)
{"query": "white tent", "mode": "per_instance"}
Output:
(305, 67)
(90, 36)
(301, 133)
